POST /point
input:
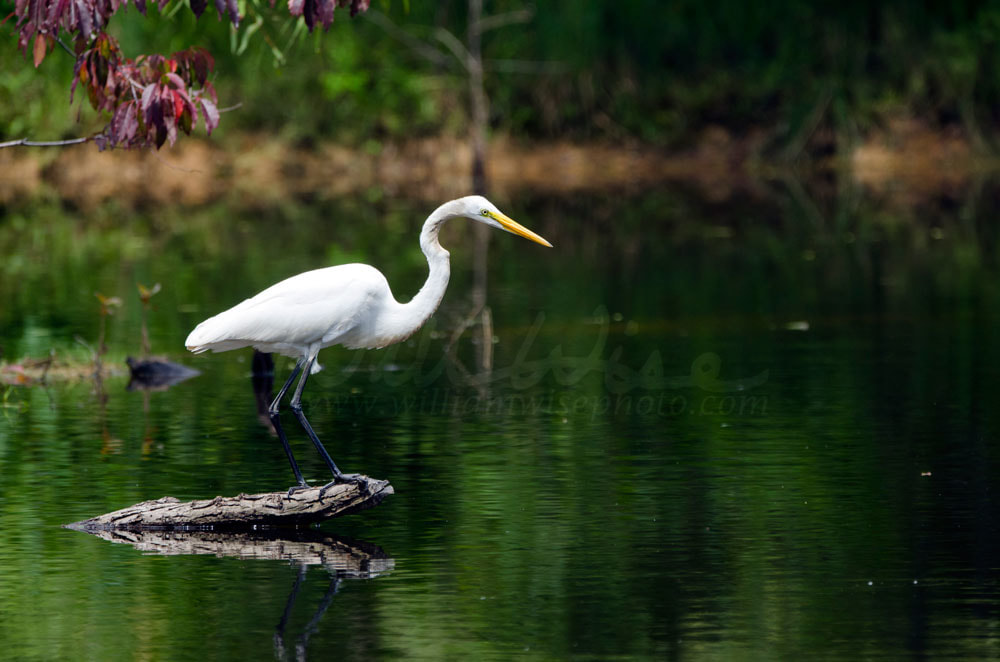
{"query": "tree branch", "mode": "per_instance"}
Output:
(27, 142)
(45, 143)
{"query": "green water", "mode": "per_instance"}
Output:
(711, 430)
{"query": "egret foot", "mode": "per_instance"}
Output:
(342, 479)
(298, 488)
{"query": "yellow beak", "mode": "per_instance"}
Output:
(511, 225)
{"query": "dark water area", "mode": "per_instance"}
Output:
(722, 430)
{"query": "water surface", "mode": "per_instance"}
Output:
(711, 430)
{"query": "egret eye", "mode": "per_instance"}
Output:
(485, 212)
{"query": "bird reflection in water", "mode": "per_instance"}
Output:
(262, 380)
(280, 650)
(342, 559)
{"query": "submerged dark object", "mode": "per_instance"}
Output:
(156, 374)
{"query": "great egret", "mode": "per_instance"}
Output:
(349, 305)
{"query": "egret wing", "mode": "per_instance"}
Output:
(317, 306)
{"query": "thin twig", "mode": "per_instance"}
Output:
(455, 46)
(526, 66)
(167, 164)
(133, 84)
(65, 47)
(505, 19)
(416, 45)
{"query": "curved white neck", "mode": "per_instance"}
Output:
(419, 309)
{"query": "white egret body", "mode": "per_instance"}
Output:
(349, 305)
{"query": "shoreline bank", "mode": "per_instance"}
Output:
(907, 162)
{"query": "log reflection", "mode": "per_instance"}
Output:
(340, 557)
(344, 557)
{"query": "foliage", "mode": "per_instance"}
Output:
(653, 72)
(149, 97)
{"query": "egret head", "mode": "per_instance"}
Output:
(480, 209)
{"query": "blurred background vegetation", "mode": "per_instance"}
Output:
(867, 472)
(788, 73)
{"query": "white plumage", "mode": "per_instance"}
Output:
(327, 306)
(350, 305)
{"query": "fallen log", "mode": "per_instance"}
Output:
(245, 510)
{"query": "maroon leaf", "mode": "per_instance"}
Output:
(210, 113)
(76, 77)
(185, 98)
(166, 130)
(152, 113)
(188, 116)
(186, 120)
(209, 89)
(129, 124)
(177, 81)
(36, 11)
(198, 7)
(193, 65)
(309, 14)
(39, 51)
(324, 12)
(171, 133)
(148, 95)
(84, 20)
(178, 105)
(228, 6)
(157, 119)
(123, 125)
(56, 10)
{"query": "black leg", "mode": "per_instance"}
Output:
(313, 624)
(296, 406)
(273, 411)
(279, 632)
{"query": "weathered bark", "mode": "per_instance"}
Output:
(244, 511)
(304, 547)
